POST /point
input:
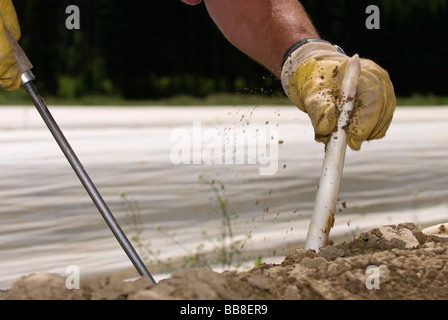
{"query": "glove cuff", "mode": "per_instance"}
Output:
(300, 52)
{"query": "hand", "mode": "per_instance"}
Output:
(312, 77)
(9, 71)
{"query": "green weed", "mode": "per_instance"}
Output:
(225, 250)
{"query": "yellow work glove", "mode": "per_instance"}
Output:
(312, 77)
(9, 71)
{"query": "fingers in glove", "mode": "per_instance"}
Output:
(9, 71)
(374, 107)
(324, 115)
(9, 18)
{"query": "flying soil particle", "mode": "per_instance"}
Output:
(335, 71)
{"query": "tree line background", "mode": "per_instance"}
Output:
(144, 49)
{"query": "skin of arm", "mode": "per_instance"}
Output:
(255, 25)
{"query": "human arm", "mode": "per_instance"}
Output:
(262, 29)
(9, 71)
(312, 73)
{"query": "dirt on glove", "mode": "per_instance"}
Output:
(391, 262)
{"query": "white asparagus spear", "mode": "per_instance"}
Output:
(330, 180)
(441, 228)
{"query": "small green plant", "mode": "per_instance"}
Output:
(224, 250)
(258, 260)
(229, 248)
(141, 244)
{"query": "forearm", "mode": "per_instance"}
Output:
(262, 29)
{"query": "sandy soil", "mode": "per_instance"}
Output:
(390, 262)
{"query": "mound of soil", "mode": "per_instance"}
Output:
(391, 262)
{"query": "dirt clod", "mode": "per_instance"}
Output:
(391, 262)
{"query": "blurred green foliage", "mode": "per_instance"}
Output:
(158, 49)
